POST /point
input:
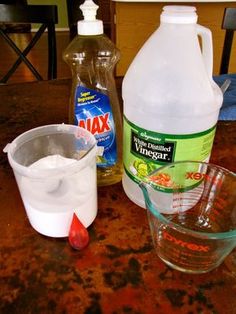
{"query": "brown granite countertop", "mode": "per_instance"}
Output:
(119, 271)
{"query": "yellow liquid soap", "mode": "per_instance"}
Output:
(94, 103)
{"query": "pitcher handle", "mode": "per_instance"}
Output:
(207, 50)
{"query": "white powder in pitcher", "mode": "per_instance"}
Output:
(52, 161)
(50, 202)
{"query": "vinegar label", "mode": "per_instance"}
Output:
(145, 151)
(92, 111)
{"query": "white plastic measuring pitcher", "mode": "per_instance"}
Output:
(55, 169)
(171, 103)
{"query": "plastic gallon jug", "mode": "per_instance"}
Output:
(94, 103)
(171, 103)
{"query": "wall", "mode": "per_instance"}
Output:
(62, 12)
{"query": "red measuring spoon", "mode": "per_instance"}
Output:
(78, 234)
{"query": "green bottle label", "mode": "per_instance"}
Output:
(145, 151)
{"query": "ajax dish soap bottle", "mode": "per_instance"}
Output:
(94, 102)
(171, 103)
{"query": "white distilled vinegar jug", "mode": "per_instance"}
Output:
(171, 103)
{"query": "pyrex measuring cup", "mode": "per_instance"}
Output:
(191, 209)
(55, 169)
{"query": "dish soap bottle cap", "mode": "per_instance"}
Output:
(89, 25)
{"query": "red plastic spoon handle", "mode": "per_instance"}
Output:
(78, 234)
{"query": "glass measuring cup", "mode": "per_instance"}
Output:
(191, 209)
(55, 169)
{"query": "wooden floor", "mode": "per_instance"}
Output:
(38, 57)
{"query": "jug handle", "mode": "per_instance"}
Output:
(207, 50)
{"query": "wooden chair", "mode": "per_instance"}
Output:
(46, 16)
(229, 24)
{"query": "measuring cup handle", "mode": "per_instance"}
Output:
(207, 50)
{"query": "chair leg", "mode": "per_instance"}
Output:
(226, 52)
(22, 55)
(52, 52)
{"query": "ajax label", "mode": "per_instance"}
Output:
(93, 112)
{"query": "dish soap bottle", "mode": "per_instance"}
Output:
(94, 103)
(171, 103)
